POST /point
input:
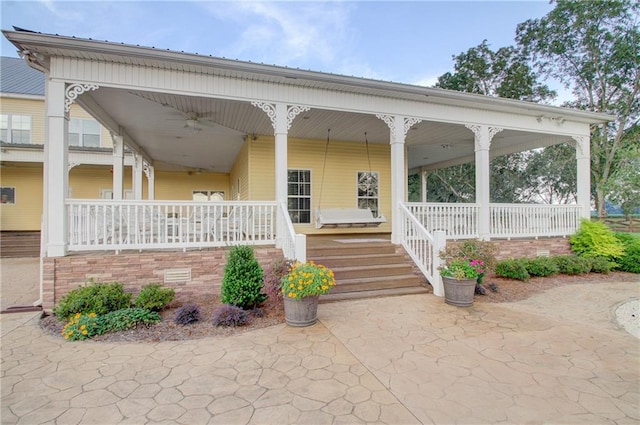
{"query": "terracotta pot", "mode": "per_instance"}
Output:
(301, 312)
(459, 292)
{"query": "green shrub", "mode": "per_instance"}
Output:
(154, 297)
(572, 265)
(127, 318)
(601, 265)
(595, 239)
(630, 260)
(513, 269)
(472, 249)
(242, 280)
(83, 326)
(541, 267)
(98, 298)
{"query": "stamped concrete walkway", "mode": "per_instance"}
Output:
(404, 360)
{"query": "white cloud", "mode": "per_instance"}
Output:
(426, 80)
(286, 33)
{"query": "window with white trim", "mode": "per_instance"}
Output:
(84, 132)
(299, 195)
(368, 191)
(15, 128)
(108, 194)
(207, 195)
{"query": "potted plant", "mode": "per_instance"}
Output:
(459, 278)
(301, 288)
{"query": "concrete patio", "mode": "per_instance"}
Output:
(558, 358)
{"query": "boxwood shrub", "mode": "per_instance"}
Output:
(630, 260)
(541, 267)
(572, 265)
(154, 297)
(513, 269)
(98, 298)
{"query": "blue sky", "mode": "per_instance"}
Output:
(409, 42)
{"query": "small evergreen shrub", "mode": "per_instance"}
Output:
(187, 314)
(278, 269)
(154, 297)
(230, 315)
(242, 280)
(572, 265)
(595, 239)
(630, 260)
(98, 298)
(541, 267)
(601, 265)
(513, 269)
(83, 326)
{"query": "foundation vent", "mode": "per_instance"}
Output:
(542, 253)
(177, 275)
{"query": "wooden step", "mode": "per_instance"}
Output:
(351, 249)
(372, 271)
(19, 244)
(358, 260)
(333, 297)
(375, 283)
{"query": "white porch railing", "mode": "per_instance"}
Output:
(115, 225)
(526, 220)
(422, 247)
(294, 246)
(458, 221)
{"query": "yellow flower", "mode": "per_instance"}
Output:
(325, 287)
(66, 337)
(291, 285)
(299, 288)
(92, 315)
(84, 332)
(78, 315)
(83, 327)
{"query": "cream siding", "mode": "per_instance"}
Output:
(180, 185)
(31, 107)
(26, 212)
(239, 176)
(339, 187)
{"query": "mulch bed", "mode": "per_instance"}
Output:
(508, 291)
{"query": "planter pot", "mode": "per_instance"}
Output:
(301, 312)
(459, 292)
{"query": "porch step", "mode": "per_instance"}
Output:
(19, 244)
(376, 293)
(366, 270)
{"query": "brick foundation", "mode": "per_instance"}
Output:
(517, 248)
(134, 270)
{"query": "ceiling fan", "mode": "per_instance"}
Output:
(195, 122)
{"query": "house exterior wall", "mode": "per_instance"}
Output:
(87, 182)
(26, 212)
(239, 176)
(180, 185)
(30, 107)
(339, 188)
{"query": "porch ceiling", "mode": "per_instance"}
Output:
(158, 122)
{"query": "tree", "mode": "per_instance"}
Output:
(624, 186)
(593, 48)
(501, 73)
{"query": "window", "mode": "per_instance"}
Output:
(8, 195)
(299, 195)
(208, 195)
(368, 191)
(108, 194)
(15, 128)
(84, 133)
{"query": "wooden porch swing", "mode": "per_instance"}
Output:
(345, 217)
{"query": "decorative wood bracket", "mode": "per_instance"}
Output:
(270, 109)
(74, 90)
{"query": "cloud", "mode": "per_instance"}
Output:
(287, 33)
(426, 80)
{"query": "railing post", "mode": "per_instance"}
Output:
(439, 244)
(301, 247)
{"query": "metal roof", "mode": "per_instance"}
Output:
(17, 77)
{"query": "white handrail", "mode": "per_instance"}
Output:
(422, 247)
(294, 246)
(458, 221)
(115, 225)
(531, 220)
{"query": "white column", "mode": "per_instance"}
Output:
(483, 135)
(423, 185)
(398, 183)
(118, 167)
(149, 171)
(137, 176)
(281, 164)
(583, 177)
(56, 154)
(398, 127)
